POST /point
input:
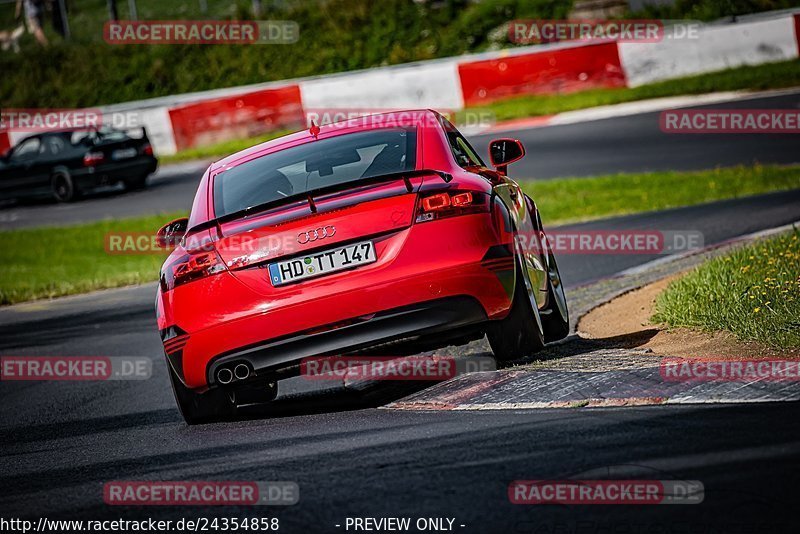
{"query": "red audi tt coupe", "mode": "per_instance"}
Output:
(384, 233)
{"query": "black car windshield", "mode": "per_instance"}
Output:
(314, 165)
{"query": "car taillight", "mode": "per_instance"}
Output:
(449, 204)
(147, 149)
(190, 267)
(461, 199)
(93, 158)
(435, 202)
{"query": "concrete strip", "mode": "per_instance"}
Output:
(547, 388)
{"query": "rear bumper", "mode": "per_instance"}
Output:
(112, 173)
(423, 319)
(430, 279)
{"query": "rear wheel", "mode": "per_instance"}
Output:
(520, 333)
(555, 317)
(62, 187)
(198, 408)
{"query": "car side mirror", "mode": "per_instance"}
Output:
(503, 152)
(172, 232)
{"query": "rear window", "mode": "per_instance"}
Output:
(103, 134)
(315, 165)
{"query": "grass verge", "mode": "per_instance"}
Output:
(220, 149)
(576, 199)
(43, 263)
(753, 292)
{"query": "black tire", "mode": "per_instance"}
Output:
(518, 334)
(555, 316)
(198, 408)
(136, 184)
(63, 188)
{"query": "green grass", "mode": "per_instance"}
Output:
(753, 293)
(220, 149)
(707, 9)
(42, 263)
(335, 36)
(567, 200)
(769, 76)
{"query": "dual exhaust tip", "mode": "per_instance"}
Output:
(239, 371)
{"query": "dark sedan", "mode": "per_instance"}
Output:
(65, 164)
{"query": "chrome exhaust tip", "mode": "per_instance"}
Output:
(241, 371)
(224, 376)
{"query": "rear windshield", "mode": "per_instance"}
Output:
(314, 165)
(96, 136)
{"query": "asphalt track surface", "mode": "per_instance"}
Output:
(622, 144)
(596, 147)
(62, 441)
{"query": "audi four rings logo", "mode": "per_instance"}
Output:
(313, 235)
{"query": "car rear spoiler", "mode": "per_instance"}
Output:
(309, 195)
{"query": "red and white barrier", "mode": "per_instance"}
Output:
(185, 121)
(430, 84)
(5, 142)
(797, 31)
(557, 69)
(240, 116)
(715, 48)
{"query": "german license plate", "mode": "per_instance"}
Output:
(322, 263)
(123, 153)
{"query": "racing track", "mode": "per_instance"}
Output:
(61, 441)
(621, 144)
